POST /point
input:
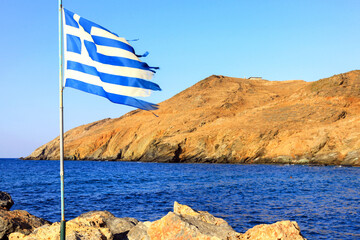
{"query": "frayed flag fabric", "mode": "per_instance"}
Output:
(100, 62)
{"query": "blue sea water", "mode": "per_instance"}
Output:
(325, 201)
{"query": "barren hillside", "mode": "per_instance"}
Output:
(232, 120)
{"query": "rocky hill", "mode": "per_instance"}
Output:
(232, 120)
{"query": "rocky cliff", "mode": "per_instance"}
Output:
(232, 120)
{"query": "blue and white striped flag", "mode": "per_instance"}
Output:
(97, 61)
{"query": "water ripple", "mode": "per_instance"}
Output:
(323, 200)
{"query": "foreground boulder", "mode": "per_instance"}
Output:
(18, 221)
(183, 223)
(284, 230)
(95, 225)
(119, 227)
(74, 231)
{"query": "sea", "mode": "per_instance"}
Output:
(323, 200)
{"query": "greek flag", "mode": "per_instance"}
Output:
(97, 61)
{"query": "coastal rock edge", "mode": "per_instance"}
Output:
(182, 223)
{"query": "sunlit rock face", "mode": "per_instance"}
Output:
(232, 120)
(182, 223)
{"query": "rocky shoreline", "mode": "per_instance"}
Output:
(180, 224)
(351, 160)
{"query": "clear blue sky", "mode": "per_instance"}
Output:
(189, 39)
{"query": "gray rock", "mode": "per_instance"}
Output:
(119, 227)
(139, 232)
(326, 159)
(5, 201)
(352, 158)
(283, 160)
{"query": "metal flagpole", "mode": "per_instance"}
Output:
(61, 88)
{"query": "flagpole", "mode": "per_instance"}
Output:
(61, 88)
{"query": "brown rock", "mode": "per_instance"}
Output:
(93, 218)
(74, 231)
(94, 225)
(232, 120)
(172, 226)
(119, 227)
(201, 216)
(185, 223)
(6, 201)
(284, 230)
(18, 221)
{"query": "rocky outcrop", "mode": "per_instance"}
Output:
(183, 223)
(18, 221)
(6, 201)
(119, 227)
(281, 230)
(139, 232)
(232, 120)
(95, 225)
(74, 231)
